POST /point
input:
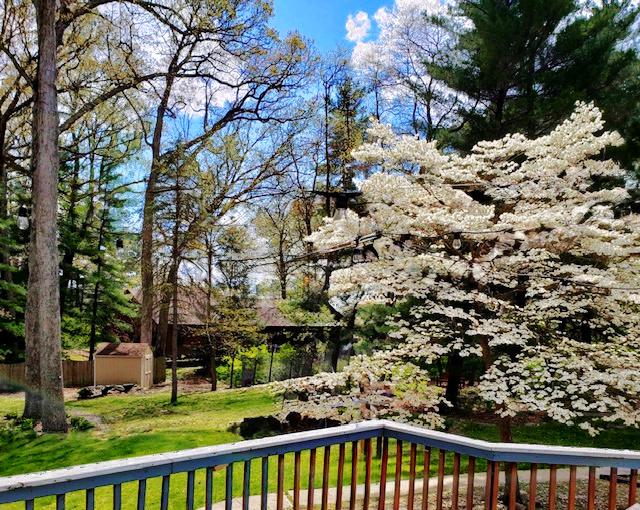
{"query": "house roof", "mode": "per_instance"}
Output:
(123, 349)
(191, 305)
(192, 310)
(271, 316)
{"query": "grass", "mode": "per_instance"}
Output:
(134, 425)
(551, 433)
(131, 425)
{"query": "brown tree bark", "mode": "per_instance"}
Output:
(148, 218)
(506, 436)
(45, 400)
(214, 374)
(146, 258)
(162, 335)
(210, 340)
(233, 362)
(4, 193)
(282, 270)
(173, 275)
(327, 101)
(174, 345)
(454, 377)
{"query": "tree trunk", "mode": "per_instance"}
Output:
(173, 275)
(146, 258)
(327, 100)
(283, 279)
(255, 371)
(273, 349)
(69, 252)
(148, 216)
(335, 352)
(163, 315)
(94, 318)
(45, 398)
(214, 374)
(4, 195)
(499, 107)
(506, 436)
(9, 110)
(174, 345)
(454, 376)
(233, 361)
(210, 340)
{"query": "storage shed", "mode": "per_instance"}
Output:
(124, 363)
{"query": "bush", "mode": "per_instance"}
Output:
(80, 423)
(17, 426)
(469, 400)
(19, 422)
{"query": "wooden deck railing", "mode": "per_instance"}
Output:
(431, 470)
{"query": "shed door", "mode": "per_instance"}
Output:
(148, 371)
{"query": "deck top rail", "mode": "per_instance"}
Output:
(89, 476)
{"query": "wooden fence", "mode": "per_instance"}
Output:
(76, 373)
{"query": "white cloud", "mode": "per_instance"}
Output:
(358, 26)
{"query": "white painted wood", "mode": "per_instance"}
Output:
(116, 466)
(516, 448)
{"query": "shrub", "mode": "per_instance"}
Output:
(80, 423)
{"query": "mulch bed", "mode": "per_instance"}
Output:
(601, 503)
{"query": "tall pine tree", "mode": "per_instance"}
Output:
(522, 65)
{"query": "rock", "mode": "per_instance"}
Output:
(293, 419)
(300, 423)
(264, 426)
(91, 392)
(260, 426)
(102, 391)
(84, 393)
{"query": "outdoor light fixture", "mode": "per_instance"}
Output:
(457, 241)
(119, 247)
(358, 255)
(342, 198)
(364, 253)
(23, 218)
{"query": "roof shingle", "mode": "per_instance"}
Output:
(123, 349)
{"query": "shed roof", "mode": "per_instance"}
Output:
(123, 349)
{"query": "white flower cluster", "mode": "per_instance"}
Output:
(383, 385)
(520, 253)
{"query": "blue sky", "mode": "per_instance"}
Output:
(322, 20)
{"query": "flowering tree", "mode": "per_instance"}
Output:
(521, 254)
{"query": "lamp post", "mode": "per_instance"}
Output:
(341, 197)
(119, 247)
(23, 218)
(457, 240)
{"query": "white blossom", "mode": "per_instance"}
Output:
(514, 253)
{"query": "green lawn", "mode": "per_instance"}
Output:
(141, 424)
(134, 425)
